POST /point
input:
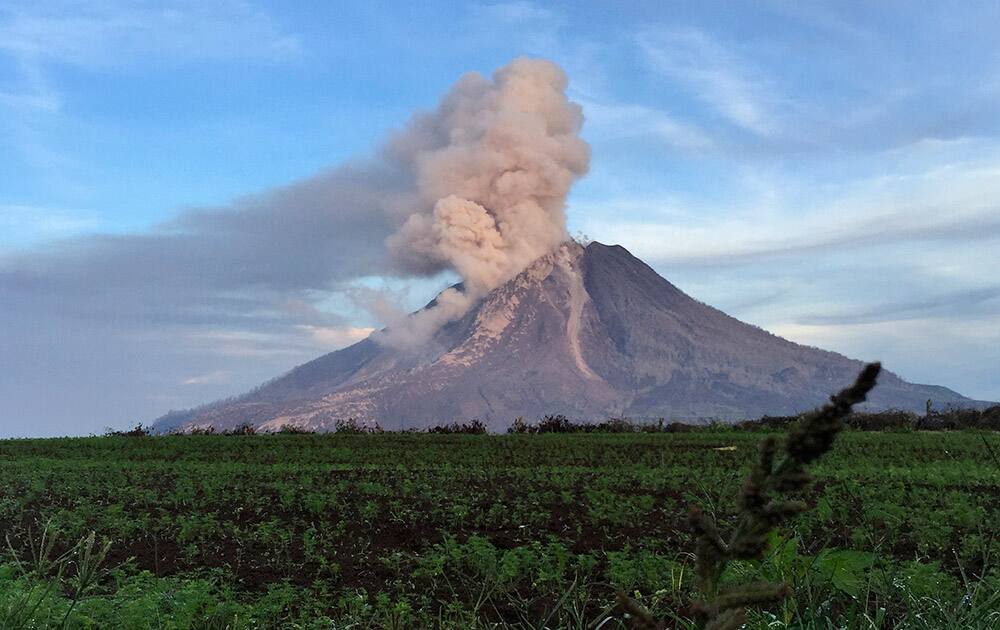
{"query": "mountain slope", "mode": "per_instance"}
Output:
(586, 332)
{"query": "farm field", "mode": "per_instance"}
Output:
(417, 530)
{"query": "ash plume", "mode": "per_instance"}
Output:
(491, 168)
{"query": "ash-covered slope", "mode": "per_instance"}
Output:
(586, 332)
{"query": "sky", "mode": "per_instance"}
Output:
(185, 187)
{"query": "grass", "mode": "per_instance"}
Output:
(465, 530)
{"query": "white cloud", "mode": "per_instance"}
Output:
(297, 342)
(115, 33)
(516, 12)
(334, 337)
(714, 74)
(942, 201)
(218, 376)
(616, 121)
(240, 343)
(21, 225)
(824, 18)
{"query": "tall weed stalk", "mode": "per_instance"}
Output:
(765, 502)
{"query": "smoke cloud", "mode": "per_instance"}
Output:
(491, 167)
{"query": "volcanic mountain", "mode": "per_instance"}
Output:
(588, 332)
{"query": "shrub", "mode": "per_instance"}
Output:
(137, 431)
(519, 426)
(473, 427)
(679, 427)
(554, 424)
(354, 426)
(614, 425)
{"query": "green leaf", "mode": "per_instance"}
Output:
(824, 511)
(844, 569)
(783, 552)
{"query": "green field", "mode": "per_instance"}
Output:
(478, 531)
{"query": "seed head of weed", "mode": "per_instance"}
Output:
(765, 501)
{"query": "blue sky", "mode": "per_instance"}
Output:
(827, 171)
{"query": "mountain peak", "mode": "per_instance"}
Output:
(583, 331)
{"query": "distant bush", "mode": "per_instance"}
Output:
(473, 427)
(947, 420)
(349, 425)
(561, 424)
(767, 422)
(353, 426)
(679, 427)
(616, 425)
(889, 420)
(137, 431)
(556, 424)
(291, 429)
(519, 426)
(954, 419)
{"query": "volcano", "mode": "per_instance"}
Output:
(589, 332)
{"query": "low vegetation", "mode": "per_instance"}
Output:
(548, 526)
